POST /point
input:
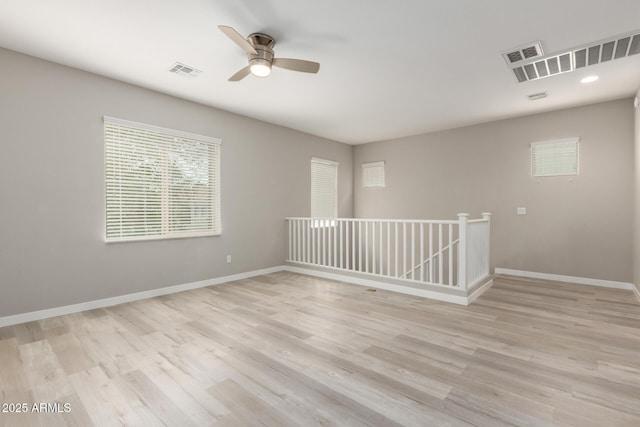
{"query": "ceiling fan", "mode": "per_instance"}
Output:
(259, 48)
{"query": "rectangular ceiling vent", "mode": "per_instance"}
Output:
(184, 70)
(580, 57)
(620, 47)
(523, 53)
(551, 66)
(537, 96)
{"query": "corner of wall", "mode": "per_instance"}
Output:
(636, 204)
(354, 188)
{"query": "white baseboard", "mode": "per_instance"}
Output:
(107, 302)
(568, 279)
(462, 300)
(636, 291)
(475, 293)
(121, 299)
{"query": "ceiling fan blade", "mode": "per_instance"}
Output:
(297, 65)
(237, 38)
(240, 74)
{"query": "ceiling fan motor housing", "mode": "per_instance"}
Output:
(263, 44)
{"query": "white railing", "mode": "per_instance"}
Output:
(445, 253)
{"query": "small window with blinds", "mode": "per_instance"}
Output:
(555, 158)
(324, 191)
(160, 183)
(373, 175)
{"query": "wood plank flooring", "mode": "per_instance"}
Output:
(291, 350)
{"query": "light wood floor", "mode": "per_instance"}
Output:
(286, 349)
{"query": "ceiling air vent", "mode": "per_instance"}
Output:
(184, 70)
(620, 47)
(537, 96)
(544, 68)
(523, 53)
(580, 57)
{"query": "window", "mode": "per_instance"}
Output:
(373, 175)
(324, 189)
(553, 158)
(160, 183)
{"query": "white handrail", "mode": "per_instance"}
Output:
(474, 221)
(384, 247)
(434, 256)
(400, 221)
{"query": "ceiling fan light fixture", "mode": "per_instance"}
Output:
(260, 67)
(259, 50)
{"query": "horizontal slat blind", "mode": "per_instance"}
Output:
(373, 175)
(552, 158)
(159, 183)
(324, 188)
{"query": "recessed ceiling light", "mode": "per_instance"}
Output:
(589, 79)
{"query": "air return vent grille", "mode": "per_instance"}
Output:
(584, 56)
(184, 70)
(607, 51)
(523, 53)
(537, 96)
(544, 68)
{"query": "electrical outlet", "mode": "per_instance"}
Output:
(521, 211)
(228, 259)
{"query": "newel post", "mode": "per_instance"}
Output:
(487, 216)
(462, 250)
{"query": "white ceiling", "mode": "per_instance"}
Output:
(388, 68)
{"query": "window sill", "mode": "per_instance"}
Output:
(161, 237)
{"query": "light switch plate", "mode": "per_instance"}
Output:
(522, 211)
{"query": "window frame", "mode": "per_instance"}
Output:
(215, 228)
(380, 165)
(534, 145)
(324, 221)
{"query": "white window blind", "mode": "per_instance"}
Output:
(373, 175)
(160, 183)
(553, 158)
(324, 188)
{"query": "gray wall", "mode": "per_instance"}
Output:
(52, 250)
(576, 227)
(636, 199)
